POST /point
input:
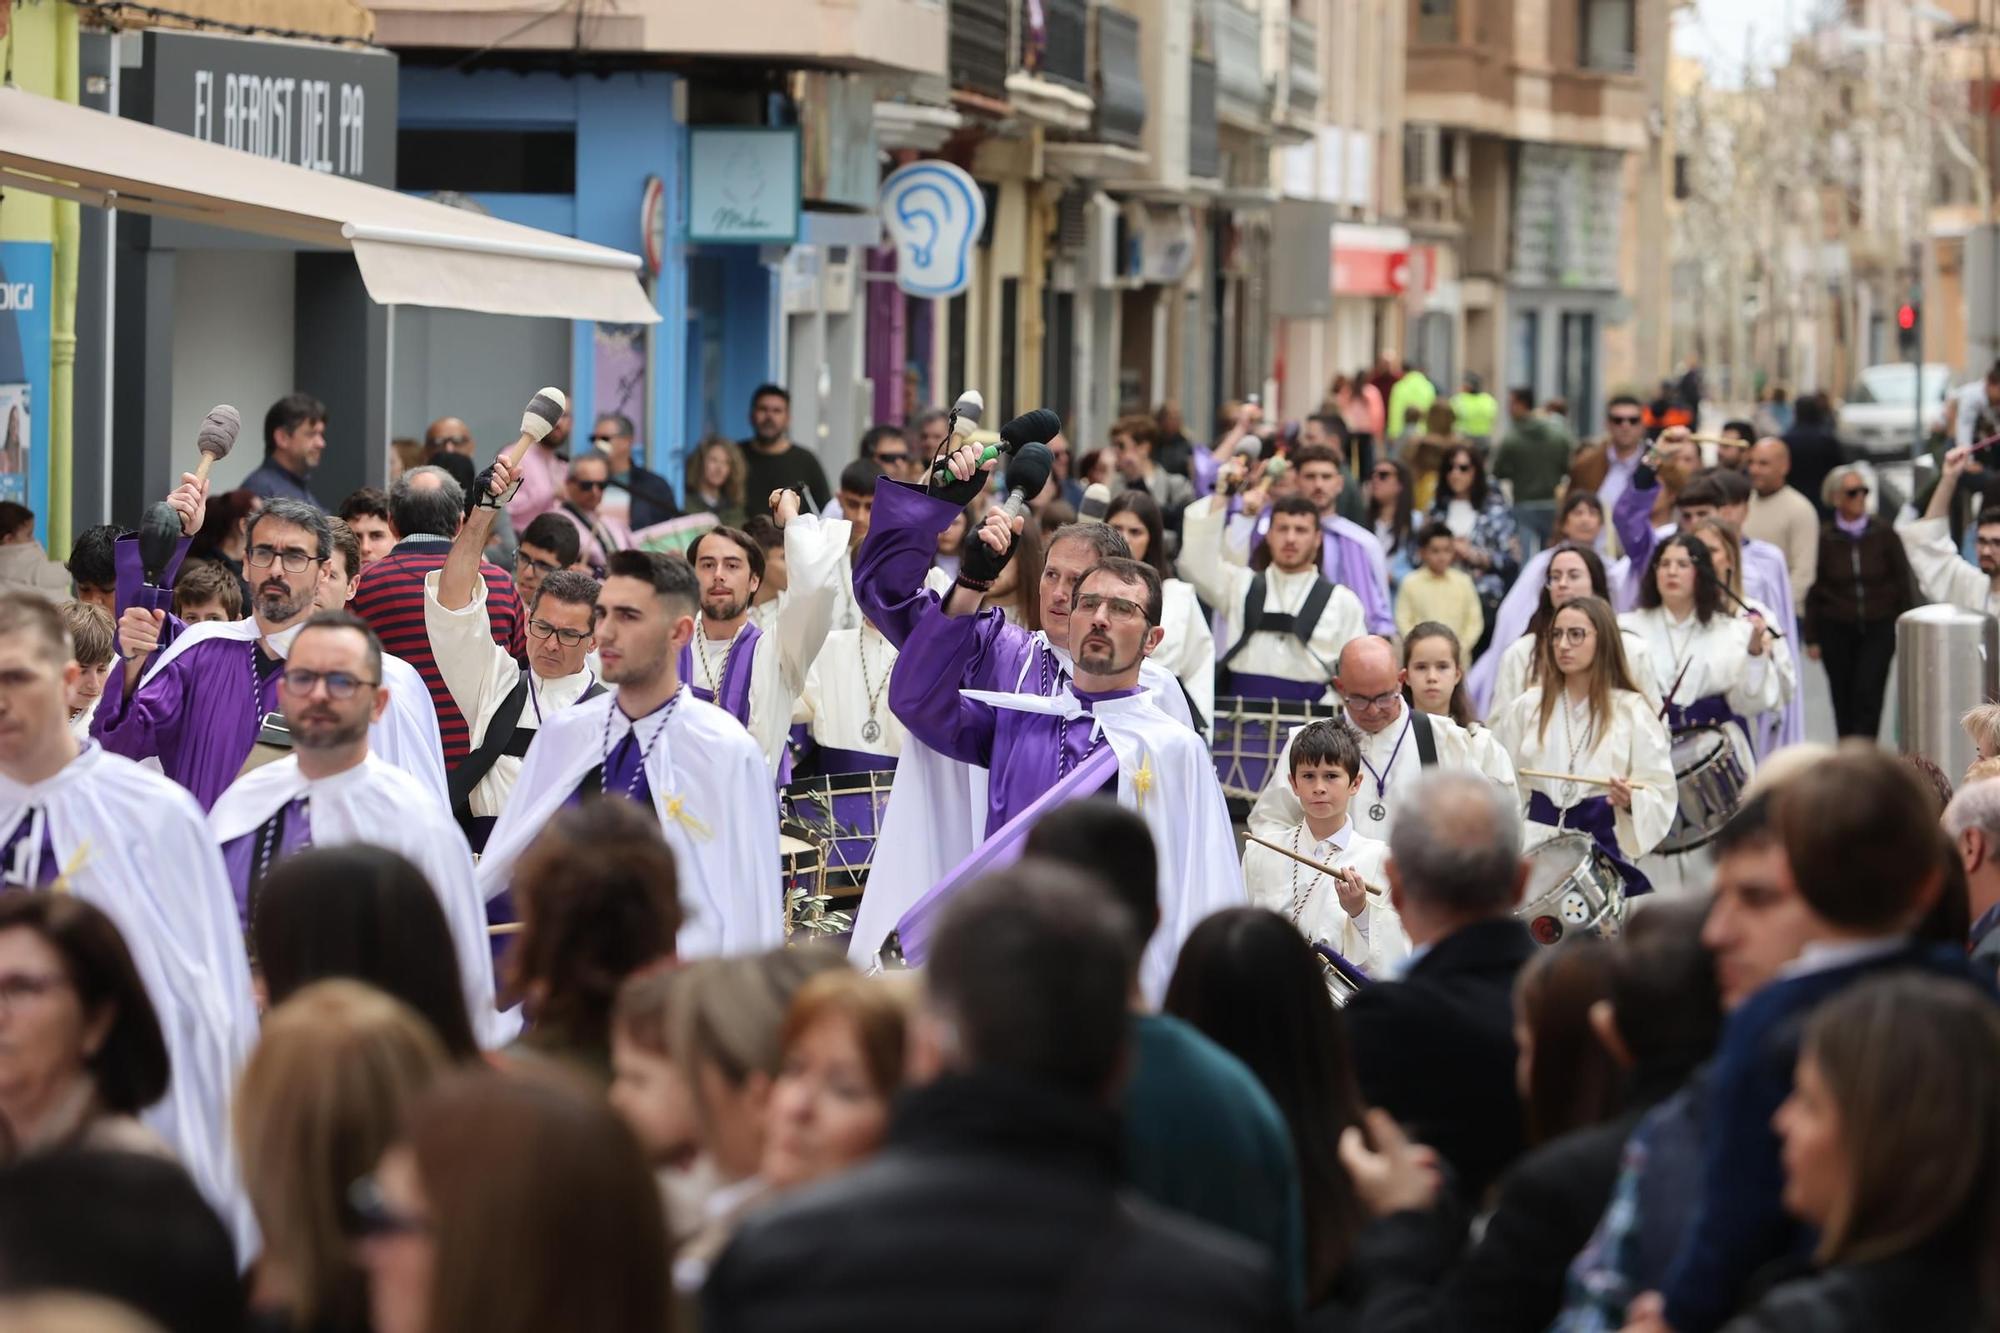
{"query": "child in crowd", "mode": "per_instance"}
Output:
(206, 590)
(1436, 590)
(91, 630)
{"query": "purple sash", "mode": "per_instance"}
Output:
(1595, 816)
(1247, 685)
(1711, 710)
(735, 691)
(1002, 849)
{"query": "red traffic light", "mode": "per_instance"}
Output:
(1906, 317)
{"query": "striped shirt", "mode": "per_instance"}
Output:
(391, 599)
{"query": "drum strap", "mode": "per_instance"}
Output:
(1256, 620)
(1427, 744)
(504, 736)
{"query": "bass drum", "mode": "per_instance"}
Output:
(1710, 780)
(1572, 886)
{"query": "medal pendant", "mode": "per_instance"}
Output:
(1378, 812)
(1568, 794)
(871, 730)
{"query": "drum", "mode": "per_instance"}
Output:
(1572, 886)
(803, 875)
(1343, 979)
(1249, 736)
(844, 813)
(1711, 779)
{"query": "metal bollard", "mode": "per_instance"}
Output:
(1947, 663)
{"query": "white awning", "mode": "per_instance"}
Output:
(410, 251)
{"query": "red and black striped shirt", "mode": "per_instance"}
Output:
(390, 598)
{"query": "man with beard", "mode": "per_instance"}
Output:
(330, 790)
(132, 843)
(771, 461)
(200, 706)
(652, 742)
(1102, 730)
(1349, 554)
(1942, 573)
(727, 661)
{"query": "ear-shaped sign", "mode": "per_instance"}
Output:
(935, 212)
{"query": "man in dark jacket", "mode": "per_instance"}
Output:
(1815, 449)
(1436, 1049)
(635, 496)
(995, 1203)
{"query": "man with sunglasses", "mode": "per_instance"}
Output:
(1103, 731)
(598, 533)
(330, 791)
(1606, 466)
(505, 703)
(636, 497)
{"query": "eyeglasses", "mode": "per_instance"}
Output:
(1573, 634)
(293, 559)
(1626, 421)
(891, 460)
(18, 986)
(602, 439)
(1854, 492)
(568, 638)
(1116, 608)
(339, 684)
(523, 561)
(450, 441)
(588, 485)
(1369, 703)
(370, 1214)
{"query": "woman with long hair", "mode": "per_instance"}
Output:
(1892, 1156)
(1725, 549)
(1579, 522)
(1585, 722)
(1391, 501)
(1250, 982)
(1571, 571)
(714, 481)
(1188, 650)
(1482, 526)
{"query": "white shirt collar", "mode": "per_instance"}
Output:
(1339, 840)
(1826, 955)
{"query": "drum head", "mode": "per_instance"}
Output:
(1554, 861)
(1695, 747)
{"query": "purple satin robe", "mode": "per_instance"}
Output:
(199, 715)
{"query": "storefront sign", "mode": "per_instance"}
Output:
(934, 212)
(326, 108)
(25, 276)
(1370, 260)
(743, 185)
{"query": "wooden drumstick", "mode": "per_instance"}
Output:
(1573, 777)
(1307, 861)
(505, 928)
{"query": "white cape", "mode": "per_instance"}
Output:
(712, 795)
(380, 805)
(936, 817)
(137, 846)
(406, 735)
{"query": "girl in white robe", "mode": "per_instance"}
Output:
(1434, 668)
(1188, 647)
(1707, 666)
(1725, 548)
(1583, 717)
(1571, 571)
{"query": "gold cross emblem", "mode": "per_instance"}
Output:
(677, 813)
(1142, 781)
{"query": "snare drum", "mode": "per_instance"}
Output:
(802, 873)
(1710, 779)
(1343, 979)
(1250, 734)
(1572, 886)
(844, 813)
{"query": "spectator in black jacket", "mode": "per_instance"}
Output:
(995, 1203)
(1863, 584)
(635, 495)
(1436, 1049)
(1815, 448)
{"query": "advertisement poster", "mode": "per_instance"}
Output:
(24, 376)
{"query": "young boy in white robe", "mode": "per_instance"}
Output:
(1336, 910)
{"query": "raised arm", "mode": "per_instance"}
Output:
(460, 574)
(814, 548)
(1203, 530)
(924, 687)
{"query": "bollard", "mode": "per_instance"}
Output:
(1947, 662)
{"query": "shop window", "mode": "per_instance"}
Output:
(484, 161)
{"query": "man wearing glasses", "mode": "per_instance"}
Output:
(504, 703)
(329, 791)
(1398, 743)
(1607, 467)
(1102, 732)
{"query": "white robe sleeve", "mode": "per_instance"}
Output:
(815, 563)
(1516, 665)
(1783, 664)
(1647, 762)
(478, 673)
(1217, 581)
(407, 734)
(447, 864)
(1192, 646)
(1756, 683)
(1942, 573)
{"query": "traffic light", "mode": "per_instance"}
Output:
(1909, 318)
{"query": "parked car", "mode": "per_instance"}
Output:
(1879, 418)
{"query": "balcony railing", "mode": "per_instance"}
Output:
(1244, 93)
(1204, 137)
(1121, 89)
(979, 45)
(1054, 35)
(1302, 67)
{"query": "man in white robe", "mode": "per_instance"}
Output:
(134, 844)
(1942, 573)
(651, 741)
(1393, 747)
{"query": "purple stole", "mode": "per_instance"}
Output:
(733, 697)
(1594, 816)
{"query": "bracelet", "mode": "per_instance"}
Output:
(980, 586)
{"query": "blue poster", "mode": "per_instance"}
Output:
(26, 290)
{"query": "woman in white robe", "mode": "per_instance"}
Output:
(1709, 668)
(1572, 571)
(1434, 672)
(1583, 717)
(1580, 522)
(1188, 648)
(1725, 548)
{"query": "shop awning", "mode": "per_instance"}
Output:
(410, 251)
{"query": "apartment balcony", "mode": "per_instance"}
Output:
(1302, 67)
(1483, 89)
(1121, 88)
(1052, 82)
(980, 47)
(863, 36)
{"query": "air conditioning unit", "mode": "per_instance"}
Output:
(1101, 260)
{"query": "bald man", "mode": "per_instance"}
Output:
(1782, 516)
(447, 435)
(1398, 743)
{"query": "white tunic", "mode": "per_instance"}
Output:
(848, 687)
(1225, 586)
(1277, 810)
(1188, 647)
(1942, 573)
(1705, 660)
(136, 845)
(1309, 900)
(1633, 746)
(480, 674)
(711, 793)
(379, 805)
(1517, 672)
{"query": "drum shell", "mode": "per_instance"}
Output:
(1590, 896)
(1947, 663)
(1707, 792)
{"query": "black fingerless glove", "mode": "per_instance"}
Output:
(481, 495)
(960, 493)
(1644, 478)
(980, 563)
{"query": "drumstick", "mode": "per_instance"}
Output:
(1320, 866)
(1573, 777)
(505, 928)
